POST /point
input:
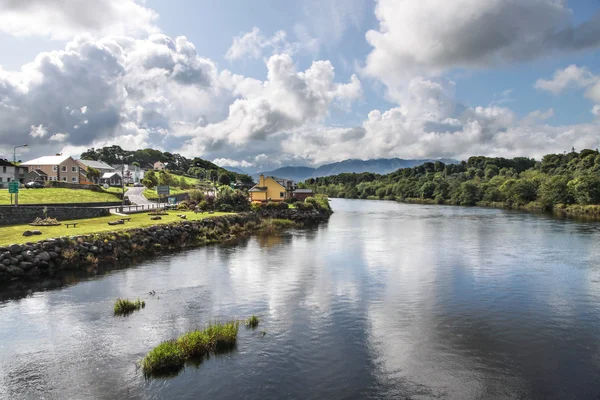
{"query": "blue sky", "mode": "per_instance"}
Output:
(410, 79)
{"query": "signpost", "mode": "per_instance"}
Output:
(13, 188)
(162, 191)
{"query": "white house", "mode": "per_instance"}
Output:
(131, 173)
(7, 173)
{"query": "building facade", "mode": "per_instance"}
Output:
(99, 165)
(270, 189)
(10, 172)
(57, 168)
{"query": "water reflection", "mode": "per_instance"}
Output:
(385, 301)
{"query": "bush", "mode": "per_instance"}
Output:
(292, 200)
(166, 358)
(196, 195)
(225, 208)
(252, 322)
(126, 306)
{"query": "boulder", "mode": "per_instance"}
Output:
(15, 248)
(14, 261)
(6, 261)
(53, 255)
(27, 233)
(36, 232)
(155, 218)
(15, 272)
(25, 265)
(44, 256)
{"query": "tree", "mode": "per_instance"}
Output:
(213, 174)
(150, 180)
(183, 184)
(585, 189)
(92, 174)
(224, 179)
(245, 178)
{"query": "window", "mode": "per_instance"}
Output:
(4, 169)
(281, 194)
(63, 168)
(0, 179)
(73, 169)
(55, 168)
(64, 178)
(74, 179)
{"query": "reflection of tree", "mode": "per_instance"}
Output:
(269, 240)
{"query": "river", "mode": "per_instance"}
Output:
(385, 301)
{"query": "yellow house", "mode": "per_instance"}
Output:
(268, 189)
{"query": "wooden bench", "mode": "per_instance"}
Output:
(73, 224)
(126, 219)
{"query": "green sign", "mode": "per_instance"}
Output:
(13, 187)
(162, 190)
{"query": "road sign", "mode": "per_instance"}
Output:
(163, 190)
(13, 187)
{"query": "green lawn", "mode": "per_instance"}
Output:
(14, 233)
(117, 190)
(57, 195)
(190, 181)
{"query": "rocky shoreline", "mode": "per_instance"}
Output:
(47, 258)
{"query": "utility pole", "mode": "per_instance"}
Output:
(123, 180)
(16, 179)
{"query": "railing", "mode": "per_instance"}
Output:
(136, 207)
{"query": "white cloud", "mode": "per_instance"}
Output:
(430, 37)
(253, 44)
(570, 77)
(227, 162)
(56, 19)
(38, 131)
(58, 137)
(596, 110)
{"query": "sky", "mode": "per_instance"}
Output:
(269, 83)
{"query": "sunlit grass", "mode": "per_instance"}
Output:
(126, 306)
(252, 322)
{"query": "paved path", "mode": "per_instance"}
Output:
(136, 197)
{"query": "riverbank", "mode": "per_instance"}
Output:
(47, 258)
(591, 211)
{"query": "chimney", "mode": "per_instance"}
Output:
(261, 180)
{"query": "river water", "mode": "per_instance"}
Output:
(385, 301)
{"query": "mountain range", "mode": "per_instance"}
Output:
(377, 166)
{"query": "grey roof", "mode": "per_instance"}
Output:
(303, 191)
(39, 172)
(95, 164)
(108, 175)
(258, 189)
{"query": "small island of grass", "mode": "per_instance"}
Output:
(252, 322)
(126, 306)
(169, 357)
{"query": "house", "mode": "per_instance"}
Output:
(302, 194)
(10, 172)
(131, 173)
(57, 168)
(271, 189)
(99, 165)
(111, 179)
(36, 175)
(159, 166)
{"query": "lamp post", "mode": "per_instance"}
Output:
(15, 152)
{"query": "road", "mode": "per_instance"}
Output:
(136, 197)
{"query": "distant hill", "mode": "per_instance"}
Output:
(377, 166)
(234, 169)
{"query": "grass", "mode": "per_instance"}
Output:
(169, 357)
(126, 306)
(252, 322)
(190, 181)
(273, 225)
(116, 190)
(14, 233)
(58, 196)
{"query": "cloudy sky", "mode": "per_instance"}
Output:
(265, 83)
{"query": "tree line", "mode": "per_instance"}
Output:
(176, 163)
(568, 178)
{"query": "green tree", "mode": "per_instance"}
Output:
(183, 184)
(224, 179)
(245, 178)
(92, 174)
(213, 175)
(585, 189)
(554, 190)
(150, 180)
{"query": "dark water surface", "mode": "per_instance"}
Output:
(385, 301)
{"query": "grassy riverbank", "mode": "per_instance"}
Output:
(59, 196)
(14, 233)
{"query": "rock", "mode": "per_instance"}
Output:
(27, 233)
(53, 255)
(14, 261)
(15, 248)
(44, 256)
(20, 257)
(28, 255)
(94, 250)
(156, 218)
(36, 232)
(15, 272)
(43, 264)
(6, 261)
(33, 273)
(25, 265)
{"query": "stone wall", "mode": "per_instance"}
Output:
(25, 214)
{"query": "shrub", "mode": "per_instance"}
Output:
(252, 322)
(166, 358)
(90, 259)
(196, 196)
(292, 200)
(225, 208)
(126, 306)
(70, 256)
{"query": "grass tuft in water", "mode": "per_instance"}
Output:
(169, 357)
(252, 322)
(126, 306)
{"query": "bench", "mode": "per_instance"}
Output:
(73, 224)
(126, 219)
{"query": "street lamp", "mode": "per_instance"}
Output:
(15, 152)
